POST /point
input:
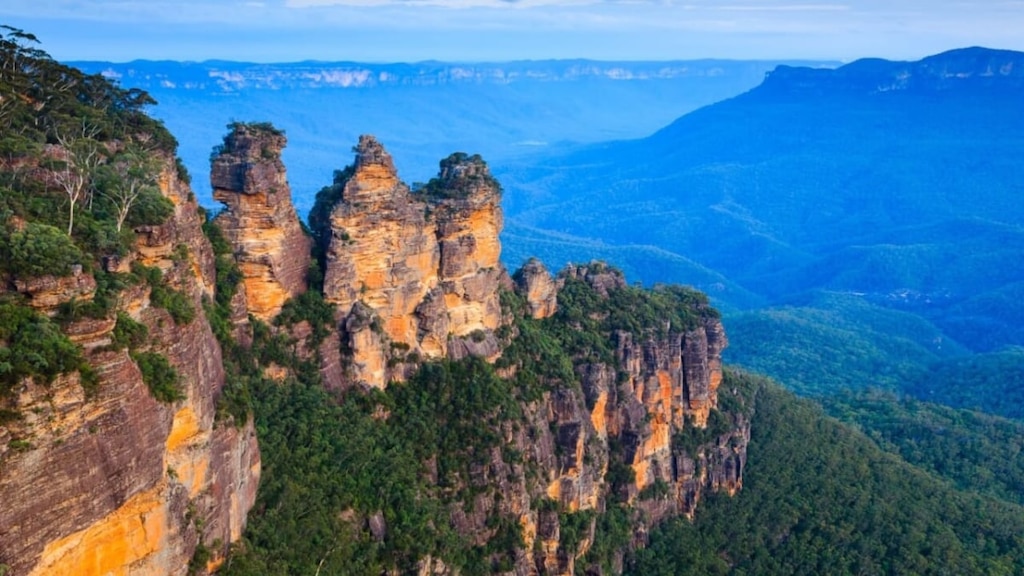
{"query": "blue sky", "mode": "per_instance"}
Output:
(497, 30)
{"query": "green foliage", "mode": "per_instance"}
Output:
(37, 250)
(202, 554)
(834, 343)
(176, 303)
(308, 307)
(128, 333)
(460, 174)
(150, 209)
(314, 470)
(612, 532)
(32, 347)
(77, 154)
(160, 377)
(230, 144)
(992, 382)
(536, 352)
(454, 410)
(182, 171)
(820, 498)
(573, 527)
(974, 451)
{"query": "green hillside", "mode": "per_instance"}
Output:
(821, 498)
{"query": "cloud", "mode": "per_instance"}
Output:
(379, 30)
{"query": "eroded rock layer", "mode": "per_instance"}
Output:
(423, 266)
(637, 427)
(117, 482)
(272, 251)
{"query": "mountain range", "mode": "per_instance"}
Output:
(879, 194)
(424, 111)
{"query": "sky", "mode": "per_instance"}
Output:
(502, 30)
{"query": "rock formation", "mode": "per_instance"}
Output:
(259, 221)
(423, 267)
(538, 287)
(116, 482)
(626, 418)
(413, 275)
(659, 385)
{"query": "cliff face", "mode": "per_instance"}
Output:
(636, 428)
(117, 482)
(259, 220)
(635, 412)
(416, 275)
(412, 272)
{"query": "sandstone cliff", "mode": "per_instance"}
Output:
(113, 481)
(259, 220)
(639, 413)
(625, 414)
(413, 274)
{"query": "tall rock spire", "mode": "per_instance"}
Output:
(423, 266)
(259, 220)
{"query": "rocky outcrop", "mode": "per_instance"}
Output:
(259, 220)
(116, 482)
(423, 266)
(47, 293)
(465, 203)
(651, 411)
(535, 283)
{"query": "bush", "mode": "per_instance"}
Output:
(38, 250)
(160, 377)
(33, 346)
(177, 304)
(128, 333)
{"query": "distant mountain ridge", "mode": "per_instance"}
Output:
(899, 182)
(220, 75)
(952, 69)
(424, 111)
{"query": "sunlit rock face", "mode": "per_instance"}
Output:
(424, 265)
(541, 290)
(117, 482)
(259, 220)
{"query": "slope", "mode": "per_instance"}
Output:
(821, 498)
(898, 181)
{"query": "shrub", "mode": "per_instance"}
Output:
(128, 333)
(33, 346)
(162, 296)
(160, 377)
(39, 250)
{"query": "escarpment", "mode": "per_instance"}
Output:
(413, 274)
(637, 421)
(101, 470)
(533, 424)
(615, 388)
(259, 220)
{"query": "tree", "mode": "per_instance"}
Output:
(126, 178)
(81, 154)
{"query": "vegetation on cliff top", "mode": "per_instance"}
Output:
(79, 159)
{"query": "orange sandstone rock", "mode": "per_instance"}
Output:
(424, 265)
(259, 220)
